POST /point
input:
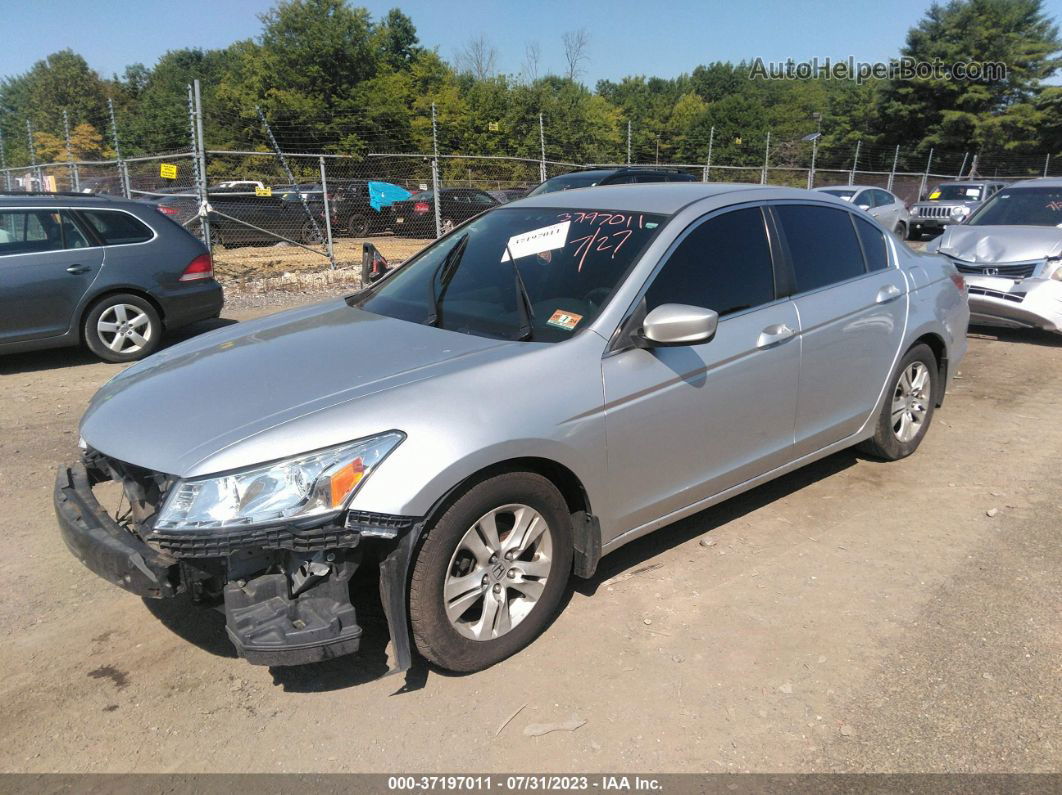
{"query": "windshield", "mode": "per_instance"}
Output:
(568, 182)
(1021, 207)
(570, 261)
(842, 193)
(963, 193)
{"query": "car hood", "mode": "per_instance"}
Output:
(174, 410)
(1001, 243)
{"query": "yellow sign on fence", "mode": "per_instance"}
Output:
(168, 170)
(263, 191)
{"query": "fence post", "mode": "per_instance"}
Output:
(287, 169)
(435, 169)
(75, 182)
(542, 148)
(196, 108)
(708, 163)
(33, 157)
(628, 142)
(855, 164)
(766, 159)
(814, 153)
(973, 166)
(895, 160)
(3, 163)
(122, 172)
(1047, 163)
(925, 176)
(328, 215)
(962, 168)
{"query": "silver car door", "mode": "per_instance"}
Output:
(683, 423)
(853, 311)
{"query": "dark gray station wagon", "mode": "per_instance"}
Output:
(110, 273)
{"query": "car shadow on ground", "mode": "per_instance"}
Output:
(57, 358)
(1029, 336)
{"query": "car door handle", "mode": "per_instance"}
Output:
(887, 293)
(773, 335)
(75, 269)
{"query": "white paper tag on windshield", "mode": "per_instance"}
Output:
(546, 238)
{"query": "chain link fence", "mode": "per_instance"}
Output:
(297, 195)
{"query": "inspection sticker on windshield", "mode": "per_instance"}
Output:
(564, 320)
(546, 238)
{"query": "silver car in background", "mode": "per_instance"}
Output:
(552, 380)
(1010, 252)
(950, 203)
(886, 207)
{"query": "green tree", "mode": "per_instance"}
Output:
(959, 114)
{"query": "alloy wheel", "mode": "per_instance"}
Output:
(498, 572)
(124, 328)
(910, 401)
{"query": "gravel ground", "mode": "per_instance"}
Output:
(852, 616)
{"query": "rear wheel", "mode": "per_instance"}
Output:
(908, 408)
(358, 225)
(901, 230)
(447, 226)
(491, 572)
(122, 328)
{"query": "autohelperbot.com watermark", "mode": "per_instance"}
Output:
(861, 71)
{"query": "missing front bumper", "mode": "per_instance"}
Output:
(286, 595)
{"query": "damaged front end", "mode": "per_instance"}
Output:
(284, 588)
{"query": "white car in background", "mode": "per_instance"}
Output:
(886, 207)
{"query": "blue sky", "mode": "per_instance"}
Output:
(656, 37)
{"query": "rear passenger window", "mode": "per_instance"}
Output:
(822, 244)
(873, 245)
(30, 231)
(724, 264)
(117, 228)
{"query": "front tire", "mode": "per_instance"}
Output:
(491, 572)
(908, 408)
(122, 328)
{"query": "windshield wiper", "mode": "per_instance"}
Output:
(445, 274)
(523, 304)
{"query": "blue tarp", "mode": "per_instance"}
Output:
(384, 194)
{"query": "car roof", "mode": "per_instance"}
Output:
(969, 181)
(30, 199)
(852, 187)
(660, 197)
(1038, 182)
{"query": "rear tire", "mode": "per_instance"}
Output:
(474, 601)
(358, 225)
(901, 230)
(310, 235)
(909, 405)
(122, 328)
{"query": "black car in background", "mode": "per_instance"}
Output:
(415, 217)
(353, 213)
(239, 217)
(589, 177)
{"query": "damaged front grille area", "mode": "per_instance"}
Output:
(1014, 270)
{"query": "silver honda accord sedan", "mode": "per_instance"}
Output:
(552, 380)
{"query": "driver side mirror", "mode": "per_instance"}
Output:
(672, 325)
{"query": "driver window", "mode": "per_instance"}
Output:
(723, 264)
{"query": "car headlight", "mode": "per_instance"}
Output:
(293, 489)
(960, 212)
(1057, 262)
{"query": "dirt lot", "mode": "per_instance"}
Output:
(852, 616)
